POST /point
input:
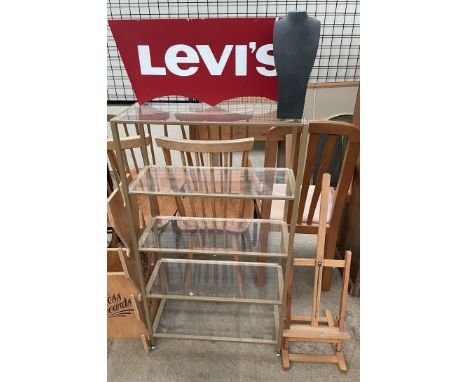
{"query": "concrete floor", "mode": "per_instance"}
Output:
(182, 360)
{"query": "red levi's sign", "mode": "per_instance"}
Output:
(208, 59)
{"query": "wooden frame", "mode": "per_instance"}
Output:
(318, 328)
(349, 236)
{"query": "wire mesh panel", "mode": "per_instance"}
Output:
(337, 57)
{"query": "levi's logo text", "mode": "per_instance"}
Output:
(208, 59)
(185, 54)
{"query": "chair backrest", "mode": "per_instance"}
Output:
(224, 132)
(357, 109)
(201, 153)
(131, 147)
(318, 161)
(207, 153)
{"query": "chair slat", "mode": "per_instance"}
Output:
(231, 136)
(325, 163)
(209, 133)
(113, 162)
(182, 130)
(189, 158)
(153, 156)
(167, 156)
(271, 160)
(132, 153)
(182, 157)
(310, 158)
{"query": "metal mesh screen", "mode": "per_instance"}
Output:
(337, 57)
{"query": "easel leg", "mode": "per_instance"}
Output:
(330, 248)
(340, 358)
(285, 354)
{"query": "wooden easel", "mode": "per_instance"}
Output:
(316, 328)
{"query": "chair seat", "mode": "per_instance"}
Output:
(277, 206)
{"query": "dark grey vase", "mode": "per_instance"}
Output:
(295, 44)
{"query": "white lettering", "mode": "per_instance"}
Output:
(185, 54)
(267, 59)
(214, 67)
(145, 63)
(241, 60)
(173, 60)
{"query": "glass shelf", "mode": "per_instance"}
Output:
(242, 182)
(244, 237)
(217, 321)
(226, 281)
(189, 113)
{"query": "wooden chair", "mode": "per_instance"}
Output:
(318, 328)
(330, 132)
(131, 147)
(211, 154)
(228, 132)
(203, 153)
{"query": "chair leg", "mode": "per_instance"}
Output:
(263, 242)
(356, 285)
